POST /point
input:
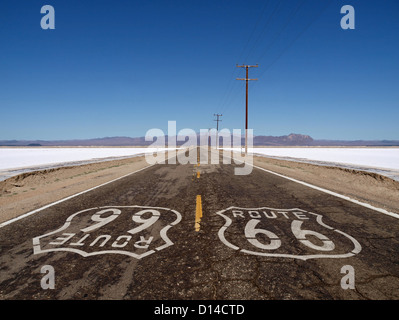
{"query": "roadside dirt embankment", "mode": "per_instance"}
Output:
(32, 190)
(369, 187)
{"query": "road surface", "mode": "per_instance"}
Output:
(198, 231)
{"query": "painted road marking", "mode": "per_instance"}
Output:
(83, 232)
(247, 223)
(198, 213)
(198, 174)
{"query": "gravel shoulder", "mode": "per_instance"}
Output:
(369, 187)
(32, 190)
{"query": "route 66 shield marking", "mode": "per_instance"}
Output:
(135, 231)
(285, 233)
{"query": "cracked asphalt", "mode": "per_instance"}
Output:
(135, 238)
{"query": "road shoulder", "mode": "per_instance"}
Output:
(371, 188)
(30, 191)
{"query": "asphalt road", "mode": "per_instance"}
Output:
(169, 232)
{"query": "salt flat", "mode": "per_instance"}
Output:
(14, 161)
(12, 158)
(387, 158)
(383, 160)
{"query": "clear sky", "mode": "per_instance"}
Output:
(120, 68)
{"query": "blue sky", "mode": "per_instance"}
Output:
(120, 68)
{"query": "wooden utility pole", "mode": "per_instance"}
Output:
(246, 101)
(217, 127)
(217, 120)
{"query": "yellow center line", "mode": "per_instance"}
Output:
(198, 213)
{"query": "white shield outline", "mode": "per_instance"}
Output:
(163, 233)
(356, 250)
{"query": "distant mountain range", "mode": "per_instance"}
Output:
(288, 140)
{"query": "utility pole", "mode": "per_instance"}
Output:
(246, 102)
(217, 120)
(217, 127)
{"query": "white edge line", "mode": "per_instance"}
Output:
(369, 206)
(366, 205)
(67, 198)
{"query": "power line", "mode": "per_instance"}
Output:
(231, 94)
(224, 102)
(290, 18)
(253, 31)
(295, 39)
(269, 19)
